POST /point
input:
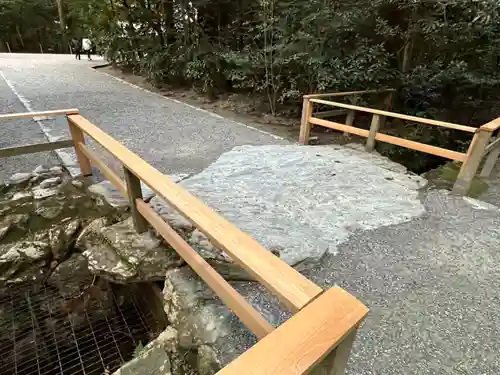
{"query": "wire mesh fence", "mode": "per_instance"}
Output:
(92, 333)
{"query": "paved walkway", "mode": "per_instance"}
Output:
(174, 137)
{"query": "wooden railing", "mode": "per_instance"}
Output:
(470, 160)
(317, 339)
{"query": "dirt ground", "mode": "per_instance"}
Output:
(238, 107)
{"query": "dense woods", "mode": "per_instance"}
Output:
(443, 56)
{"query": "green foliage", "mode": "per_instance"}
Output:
(138, 349)
(442, 56)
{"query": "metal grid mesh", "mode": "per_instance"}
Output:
(42, 333)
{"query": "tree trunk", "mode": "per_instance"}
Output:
(18, 30)
(62, 24)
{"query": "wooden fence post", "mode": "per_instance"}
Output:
(490, 162)
(305, 125)
(472, 160)
(349, 120)
(134, 192)
(78, 137)
(374, 127)
(335, 363)
(387, 106)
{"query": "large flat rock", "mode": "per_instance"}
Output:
(303, 201)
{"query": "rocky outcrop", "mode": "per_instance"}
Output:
(205, 325)
(119, 254)
(41, 215)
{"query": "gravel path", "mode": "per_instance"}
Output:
(172, 136)
(432, 285)
(18, 133)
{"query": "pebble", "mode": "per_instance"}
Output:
(50, 182)
(49, 213)
(21, 195)
(77, 183)
(19, 178)
(57, 170)
(39, 193)
(40, 169)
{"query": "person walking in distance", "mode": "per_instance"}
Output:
(87, 47)
(77, 46)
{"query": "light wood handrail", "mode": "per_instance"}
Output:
(59, 112)
(37, 147)
(334, 94)
(492, 125)
(420, 120)
(304, 340)
(293, 289)
(492, 145)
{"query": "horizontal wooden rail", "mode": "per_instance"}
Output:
(428, 149)
(110, 174)
(341, 127)
(492, 145)
(293, 289)
(335, 112)
(59, 112)
(233, 300)
(334, 94)
(492, 125)
(31, 149)
(420, 120)
(300, 343)
(438, 151)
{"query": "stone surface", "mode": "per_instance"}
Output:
(113, 197)
(19, 178)
(22, 195)
(51, 211)
(217, 258)
(70, 276)
(303, 201)
(77, 183)
(62, 237)
(50, 182)
(152, 360)
(169, 214)
(40, 169)
(119, 254)
(204, 325)
(18, 257)
(39, 193)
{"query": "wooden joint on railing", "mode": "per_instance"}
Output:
(306, 339)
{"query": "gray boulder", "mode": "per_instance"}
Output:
(19, 178)
(152, 360)
(71, 276)
(112, 195)
(304, 201)
(205, 325)
(22, 260)
(120, 255)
